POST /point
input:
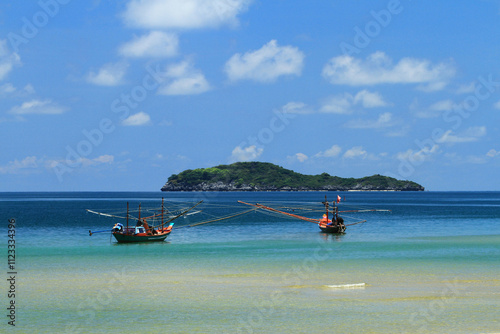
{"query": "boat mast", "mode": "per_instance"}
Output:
(127, 217)
(162, 213)
(326, 207)
(335, 213)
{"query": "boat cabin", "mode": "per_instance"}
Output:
(140, 229)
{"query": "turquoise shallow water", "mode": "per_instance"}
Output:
(431, 265)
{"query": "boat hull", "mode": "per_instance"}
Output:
(332, 229)
(128, 238)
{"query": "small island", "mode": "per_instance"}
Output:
(264, 176)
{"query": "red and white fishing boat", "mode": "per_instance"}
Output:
(331, 222)
(141, 230)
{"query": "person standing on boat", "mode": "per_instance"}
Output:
(118, 227)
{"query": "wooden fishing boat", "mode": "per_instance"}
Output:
(142, 231)
(336, 223)
(331, 222)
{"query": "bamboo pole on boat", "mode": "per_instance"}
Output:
(335, 213)
(360, 222)
(183, 212)
(219, 219)
(260, 206)
(94, 232)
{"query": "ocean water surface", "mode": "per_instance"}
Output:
(430, 265)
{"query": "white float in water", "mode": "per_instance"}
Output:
(348, 286)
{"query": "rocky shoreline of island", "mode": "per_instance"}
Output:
(262, 176)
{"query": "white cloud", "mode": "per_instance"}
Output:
(38, 107)
(436, 109)
(417, 157)
(492, 153)
(84, 162)
(32, 164)
(398, 131)
(476, 131)
(27, 164)
(141, 118)
(10, 90)
(378, 68)
(154, 44)
(296, 108)
(472, 159)
(266, 64)
(470, 135)
(444, 105)
(301, 157)
(109, 75)
(7, 59)
(104, 159)
(29, 89)
(183, 79)
(160, 156)
(248, 153)
(7, 88)
(467, 89)
(343, 104)
(329, 153)
(384, 120)
(433, 86)
(183, 14)
(338, 104)
(454, 159)
(355, 152)
(497, 105)
(369, 100)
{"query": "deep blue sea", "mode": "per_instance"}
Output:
(431, 264)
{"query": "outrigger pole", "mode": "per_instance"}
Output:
(90, 232)
(182, 213)
(260, 206)
(101, 214)
(312, 220)
(219, 219)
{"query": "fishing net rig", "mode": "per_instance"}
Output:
(188, 214)
(183, 214)
(312, 211)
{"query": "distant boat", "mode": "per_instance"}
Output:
(141, 231)
(335, 224)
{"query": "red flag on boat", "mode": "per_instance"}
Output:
(338, 199)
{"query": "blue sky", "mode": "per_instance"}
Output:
(119, 95)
